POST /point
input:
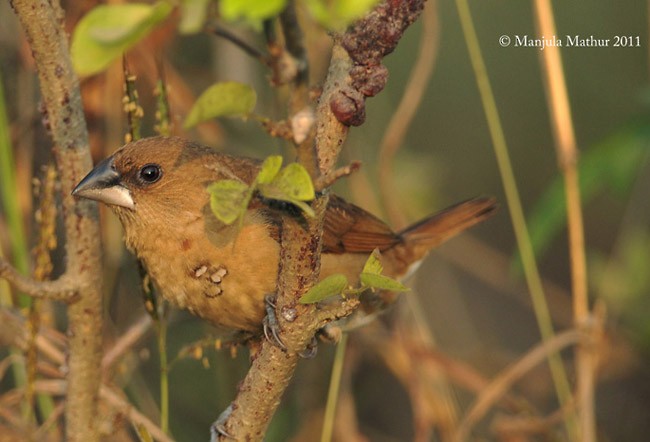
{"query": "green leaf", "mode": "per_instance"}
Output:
(193, 14)
(228, 99)
(107, 31)
(371, 276)
(229, 199)
(252, 11)
(333, 285)
(295, 183)
(373, 264)
(292, 184)
(338, 14)
(611, 165)
(270, 168)
(381, 282)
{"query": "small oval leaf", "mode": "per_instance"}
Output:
(291, 184)
(107, 31)
(294, 182)
(227, 99)
(228, 199)
(333, 285)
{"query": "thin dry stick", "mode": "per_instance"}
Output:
(513, 426)
(59, 387)
(567, 153)
(403, 115)
(132, 414)
(42, 431)
(62, 289)
(502, 382)
(531, 271)
(126, 341)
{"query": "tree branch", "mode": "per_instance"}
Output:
(42, 21)
(63, 289)
(272, 368)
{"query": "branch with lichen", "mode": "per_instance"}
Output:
(355, 73)
(42, 22)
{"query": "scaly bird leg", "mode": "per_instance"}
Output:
(271, 328)
(218, 428)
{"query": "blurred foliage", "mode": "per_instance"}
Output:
(623, 280)
(612, 165)
(108, 30)
(228, 99)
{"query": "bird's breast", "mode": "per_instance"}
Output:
(223, 282)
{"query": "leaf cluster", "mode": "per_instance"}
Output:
(229, 198)
(371, 278)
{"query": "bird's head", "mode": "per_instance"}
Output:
(154, 179)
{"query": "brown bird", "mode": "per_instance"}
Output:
(157, 188)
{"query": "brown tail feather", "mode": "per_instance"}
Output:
(436, 229)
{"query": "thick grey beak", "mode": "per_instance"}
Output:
(103, 184)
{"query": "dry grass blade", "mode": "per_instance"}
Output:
(567, 153)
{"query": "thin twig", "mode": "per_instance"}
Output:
(63, 289)
(327, 180)
(132, 414)
(502, 382)
(54, 416)
(126, 342)
(59, 387)
(526, 425)
(294, 44)
(567, 154)
(240, 43)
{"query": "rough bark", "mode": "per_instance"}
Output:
(42, 22)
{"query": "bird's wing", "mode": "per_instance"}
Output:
(350, 229)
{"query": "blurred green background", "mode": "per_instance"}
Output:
(470, 294)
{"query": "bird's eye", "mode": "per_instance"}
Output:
(150, 173)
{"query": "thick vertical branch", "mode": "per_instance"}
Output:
(42, 21)
(355, 73)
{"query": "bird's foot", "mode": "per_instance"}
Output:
(271, 325)
(271, 328)
(218, 428)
